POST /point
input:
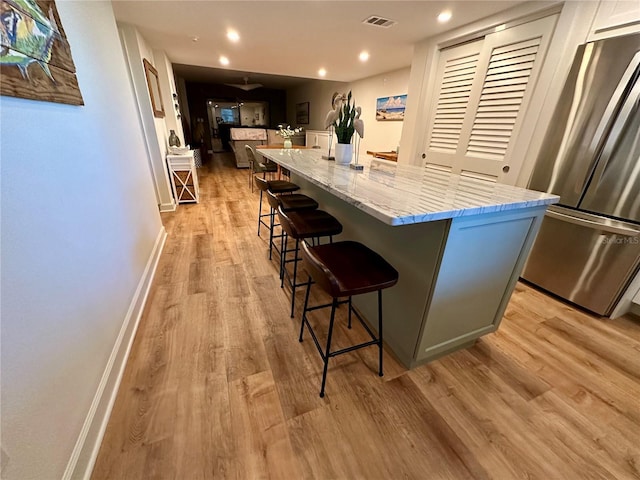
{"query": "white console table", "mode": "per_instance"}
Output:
(184, 177)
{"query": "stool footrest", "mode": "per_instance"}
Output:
(354, 347)
(317, 307)
(374, 340)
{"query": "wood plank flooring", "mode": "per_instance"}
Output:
(218, 386)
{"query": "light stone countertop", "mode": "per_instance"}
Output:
(398, 194)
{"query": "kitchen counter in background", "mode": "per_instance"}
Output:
(459, 244)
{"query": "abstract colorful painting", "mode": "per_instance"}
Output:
(35, 57)
(391, 108)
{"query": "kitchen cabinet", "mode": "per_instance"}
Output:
(184, 178)
(459, 244)
(484, 89)
(616, 17)
(319, 139)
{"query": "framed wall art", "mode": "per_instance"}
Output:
(302, 113)
(153, 83)
(35, 56)
(391, 108)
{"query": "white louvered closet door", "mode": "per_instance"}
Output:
(507, 68)
(457, 70)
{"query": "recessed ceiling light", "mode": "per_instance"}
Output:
(233, 35)
(224, 60)
(444, 16)
(322, 72)
(364, 56)
(195, 39)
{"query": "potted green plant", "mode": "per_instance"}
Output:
(344, 127)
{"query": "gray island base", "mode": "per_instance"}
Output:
(459, 244)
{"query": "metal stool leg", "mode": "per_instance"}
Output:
(283, 259)
(271, 222)
(350, 307)
(260, 213)
(283, 243)
(295, 274)
(304, 310)
(326, 353)
(380, 329)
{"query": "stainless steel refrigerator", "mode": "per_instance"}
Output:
(588, 248)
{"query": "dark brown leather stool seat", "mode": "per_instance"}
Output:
(302, 225)
(275, 186)
(344, 269)
(297, 201)
(280, 186)
(291, 202)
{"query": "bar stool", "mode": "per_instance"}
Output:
(302, 225)
(344, 269)
(277, 187)
(289, 203)
(258, 167)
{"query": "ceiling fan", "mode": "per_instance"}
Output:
(246, 86)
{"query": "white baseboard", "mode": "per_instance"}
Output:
(87, 446)
(168, 207)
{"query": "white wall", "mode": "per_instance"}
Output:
(379, 136)
(155, 129)
(168, 89)
(79, 222)
(318, 93)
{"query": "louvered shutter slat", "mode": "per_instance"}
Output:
(508, 62)
(520, 52)
(501, 97)
(453, 98)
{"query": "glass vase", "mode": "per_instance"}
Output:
(287, 143)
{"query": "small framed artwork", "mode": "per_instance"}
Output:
(302, 113)
(391, 108)
(153, 83)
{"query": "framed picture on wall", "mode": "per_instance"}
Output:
(154, 88)
(391, 108)
(302, 113)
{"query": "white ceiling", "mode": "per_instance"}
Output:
(295, 38)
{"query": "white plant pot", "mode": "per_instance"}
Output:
(344, 152)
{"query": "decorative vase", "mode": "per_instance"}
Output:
(287, 143)
(344, 152)
(174, 141)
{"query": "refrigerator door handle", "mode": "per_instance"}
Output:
(608, 118)
(618, 126)
(627, 232)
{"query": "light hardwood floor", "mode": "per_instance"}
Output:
(217, 385)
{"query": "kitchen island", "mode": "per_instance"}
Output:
(459, 244)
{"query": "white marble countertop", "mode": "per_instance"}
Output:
(399, 194)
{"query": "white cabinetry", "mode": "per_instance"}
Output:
(623, 16)
(483, 91)
(319, 139)
(184, 177)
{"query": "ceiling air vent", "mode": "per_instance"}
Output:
(379, 21)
